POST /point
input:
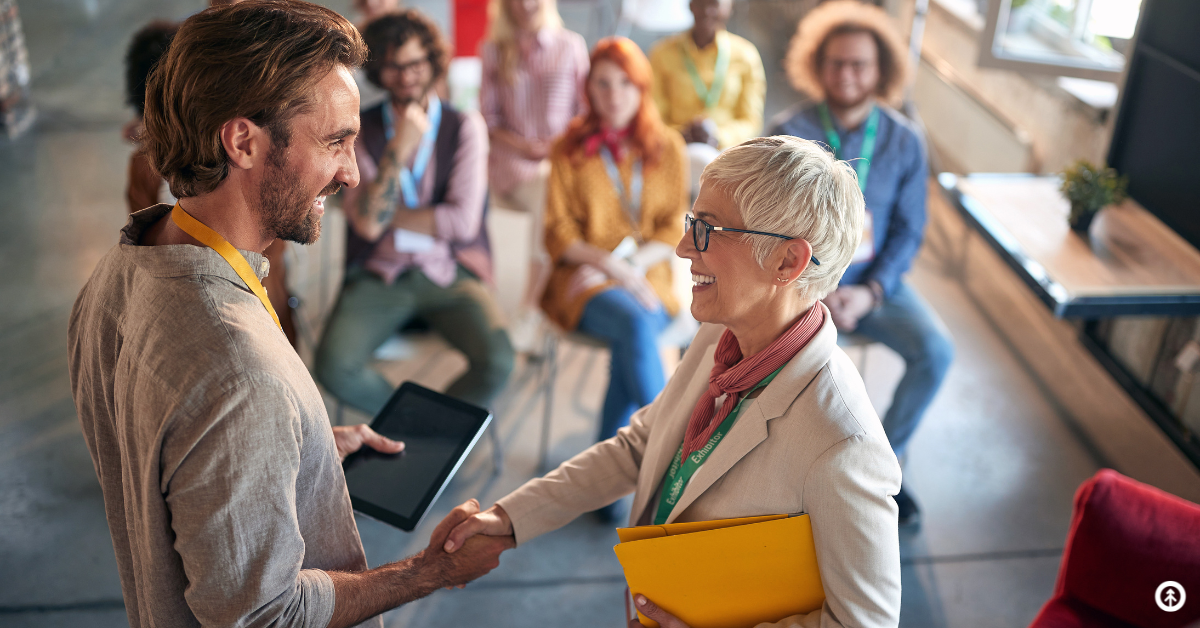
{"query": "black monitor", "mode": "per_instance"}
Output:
(1156, 138)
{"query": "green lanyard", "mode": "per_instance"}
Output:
(680, 472)
(861, 166)
(709, 95)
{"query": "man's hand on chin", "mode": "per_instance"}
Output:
(351, 438)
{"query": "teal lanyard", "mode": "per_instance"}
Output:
(709, 94)
(410, 179)
(681, 471)
(631, 202)
(861, 166)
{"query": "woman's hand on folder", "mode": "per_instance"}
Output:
(491, 522)
(649, 609)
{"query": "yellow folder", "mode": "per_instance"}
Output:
(727, 573)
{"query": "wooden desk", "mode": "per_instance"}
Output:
(1133, 265)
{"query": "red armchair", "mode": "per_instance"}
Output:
(1126, 539)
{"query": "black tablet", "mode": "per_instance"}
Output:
(438, 433)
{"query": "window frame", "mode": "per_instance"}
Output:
(992, 56)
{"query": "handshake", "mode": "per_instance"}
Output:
(471, 542)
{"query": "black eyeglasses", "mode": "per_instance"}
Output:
(404, 68)
(690, 221)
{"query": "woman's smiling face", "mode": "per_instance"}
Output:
(728, 285)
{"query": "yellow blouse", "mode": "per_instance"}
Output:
(738, 113)
(582, 205)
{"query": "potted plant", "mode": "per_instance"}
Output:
(1090, 188)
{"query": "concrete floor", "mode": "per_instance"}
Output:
(994, 465)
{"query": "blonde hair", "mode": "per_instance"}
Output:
(843, 17)
(794, 187)
(502, 33)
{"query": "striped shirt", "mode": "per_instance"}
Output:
(544, 95)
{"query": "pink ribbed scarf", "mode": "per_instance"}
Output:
(732, 375)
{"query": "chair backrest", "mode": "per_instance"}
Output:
(1126, 539)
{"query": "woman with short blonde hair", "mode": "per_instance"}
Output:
(770, 414)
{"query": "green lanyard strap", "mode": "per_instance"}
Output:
(863, 165)
(681, 471)
(709, 94)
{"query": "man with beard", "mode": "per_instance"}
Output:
(709, 85)
(221, 475)
(848, 58)
(417, 244)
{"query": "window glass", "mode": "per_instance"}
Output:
(1085, 38)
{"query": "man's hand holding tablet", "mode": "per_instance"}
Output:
(351, 438)
(414, 446)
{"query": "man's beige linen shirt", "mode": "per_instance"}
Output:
(222, 485)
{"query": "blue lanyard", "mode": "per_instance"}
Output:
(861, 166)
(632, 202)
(410, 178)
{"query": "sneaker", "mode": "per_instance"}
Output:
(526, 335)
(910, 514)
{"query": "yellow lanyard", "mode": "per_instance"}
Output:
(214, 241)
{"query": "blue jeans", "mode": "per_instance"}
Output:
(636, 373)
(907, 325)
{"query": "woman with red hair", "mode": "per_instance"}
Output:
(616, 197)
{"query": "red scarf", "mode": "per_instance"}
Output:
(608, 137)
(731, 375)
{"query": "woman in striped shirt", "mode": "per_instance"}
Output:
(533, 72)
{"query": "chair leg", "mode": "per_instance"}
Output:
(549, 374)
(497, 453)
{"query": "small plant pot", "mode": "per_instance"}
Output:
(1081, 221)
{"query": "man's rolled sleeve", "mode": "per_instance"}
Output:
(229, 476)
(459, 216)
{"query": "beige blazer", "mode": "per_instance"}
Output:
(810, 442)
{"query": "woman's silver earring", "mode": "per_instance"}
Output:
(781, 279)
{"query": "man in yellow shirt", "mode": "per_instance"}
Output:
(709, 85)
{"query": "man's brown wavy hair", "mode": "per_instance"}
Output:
(260, 60)
(843, 17)
(387, 33)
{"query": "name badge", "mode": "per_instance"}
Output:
(866, 248)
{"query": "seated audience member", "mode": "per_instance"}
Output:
(221, 476)
(850, 60)
(144, 187)
(418, 247)
(533, 72)
(770, 415)
(709, 84)
(617, 176)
